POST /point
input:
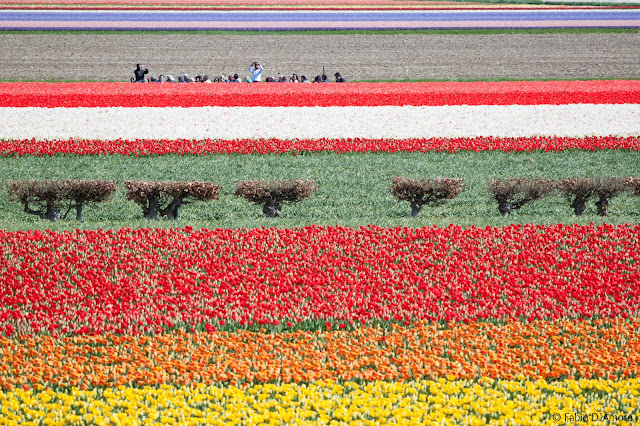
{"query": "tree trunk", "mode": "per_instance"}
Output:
(79, 205)
(171, 211)
(504, 208)
(579, 205)
(28, 209)
(151, 211)
(603, 206)
(53, 212)
(272, 209)
(415, 209)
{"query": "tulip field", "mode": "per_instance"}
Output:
(321, 316)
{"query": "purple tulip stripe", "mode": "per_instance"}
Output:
(274, 20)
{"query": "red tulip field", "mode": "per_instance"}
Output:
(141, 281)
(140, 147)
(69, 95)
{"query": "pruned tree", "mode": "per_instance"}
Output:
(580, 190)
(182, 193)
(165, 198)
(271, 194)
(513, 193)
(45, 198)
(81, 192)
(421, 192)
(577, 191)
(42, 198)
(633, 184)
(606, 189)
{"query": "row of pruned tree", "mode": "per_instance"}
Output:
(513, 193)
(48, 199)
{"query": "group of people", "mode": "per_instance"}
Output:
(255, 69)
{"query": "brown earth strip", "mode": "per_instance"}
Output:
(108, 57)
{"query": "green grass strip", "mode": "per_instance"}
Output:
(353, 188)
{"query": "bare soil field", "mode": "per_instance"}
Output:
(112, 57)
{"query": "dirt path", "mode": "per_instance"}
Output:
(357, 57)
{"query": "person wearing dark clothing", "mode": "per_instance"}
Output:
(339, 78)
(318, 79)
(140, 72)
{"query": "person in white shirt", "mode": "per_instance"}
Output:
(256, 72)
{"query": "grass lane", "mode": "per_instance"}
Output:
(353, 188)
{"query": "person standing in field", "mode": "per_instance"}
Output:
(256, 72)
(139, 72)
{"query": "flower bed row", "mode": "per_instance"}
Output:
(608, 349)
(262, 4)
(141, 147)
(470, 402)
(379, 122)
(300, 95)
(136, 281)
(253, 4)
